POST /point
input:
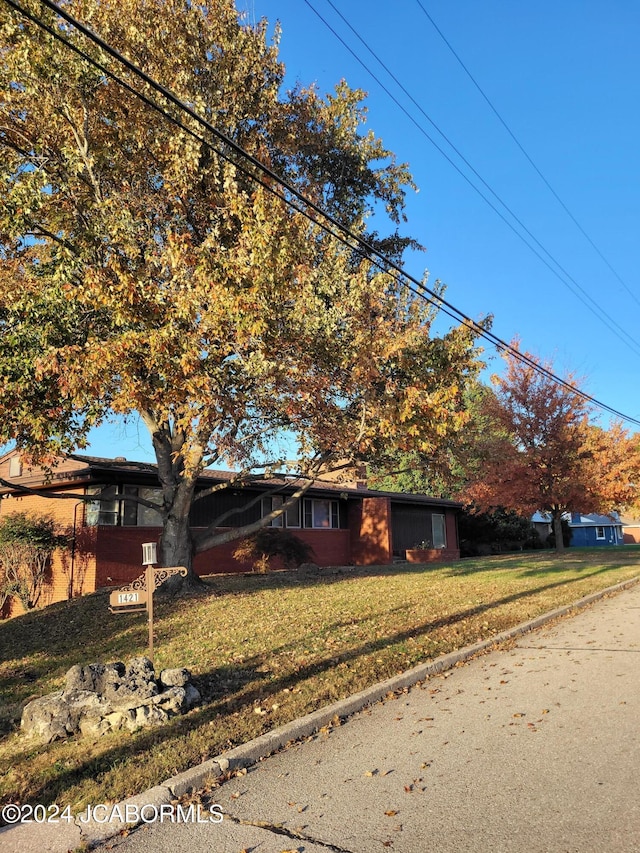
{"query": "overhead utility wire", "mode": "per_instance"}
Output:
(526, 154)
(600, 313)
(436, 299)
(365, 249)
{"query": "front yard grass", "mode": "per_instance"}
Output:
(264, 649)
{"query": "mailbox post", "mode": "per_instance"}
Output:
(149, 559)
(138, 595)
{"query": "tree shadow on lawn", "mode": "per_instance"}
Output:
(248, 582)
(539, 564)
(261, 688)
(69, 624)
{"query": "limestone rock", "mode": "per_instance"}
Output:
(99, 698)
(175, 677)
(147, 715)
(193, 696)
(46, 718)
(173, 701)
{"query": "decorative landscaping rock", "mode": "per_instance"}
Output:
(99, 698)
(47, 718)
(175, 677)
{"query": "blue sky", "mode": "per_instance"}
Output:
(565, 77)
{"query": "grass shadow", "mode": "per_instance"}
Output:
(234, 691)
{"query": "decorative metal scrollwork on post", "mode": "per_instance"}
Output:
(137, 596)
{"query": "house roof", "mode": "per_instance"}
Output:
(593, 519)
(78, 469)
(577, 519)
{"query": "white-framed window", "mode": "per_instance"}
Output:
(439, 528)
(106, 511)
(321, 514)
(600, 532)
(291, 518)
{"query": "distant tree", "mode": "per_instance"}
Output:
(144, 272)
(549, 456)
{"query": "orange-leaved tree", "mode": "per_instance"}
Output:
(545, 452)
(144, 270)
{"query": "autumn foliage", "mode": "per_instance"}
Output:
(144, 272)
(543, 452)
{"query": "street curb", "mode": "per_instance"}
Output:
(91, 833)
(261, 747)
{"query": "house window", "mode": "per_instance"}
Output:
(439, 529)
(105, 511)
(145, 516)
(291, 517)
(599, 532)
(15, 466)
(322, 514)
(114, 510)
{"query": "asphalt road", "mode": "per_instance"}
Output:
(526, 749)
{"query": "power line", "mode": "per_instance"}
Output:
(386, 265)
(600, 313)
(526, 154)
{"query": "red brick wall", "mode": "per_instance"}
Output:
(119, 552)
(452, 551)
(370, 532)
(67, 566)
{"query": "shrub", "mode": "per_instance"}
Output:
(272, 542)
(495, 532)
(26, 545)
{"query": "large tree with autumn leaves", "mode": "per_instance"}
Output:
(144, 270)
(542, 451)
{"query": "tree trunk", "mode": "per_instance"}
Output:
(176, 543)
(176, 549)
(557, 530)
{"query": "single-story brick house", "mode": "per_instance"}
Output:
(345, 523)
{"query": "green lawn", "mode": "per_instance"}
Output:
(264, 649)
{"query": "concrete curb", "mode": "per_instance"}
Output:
(63, 838)
(261, 747)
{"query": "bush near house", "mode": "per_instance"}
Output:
(269, 544)
(495, 532)
(27, 543)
